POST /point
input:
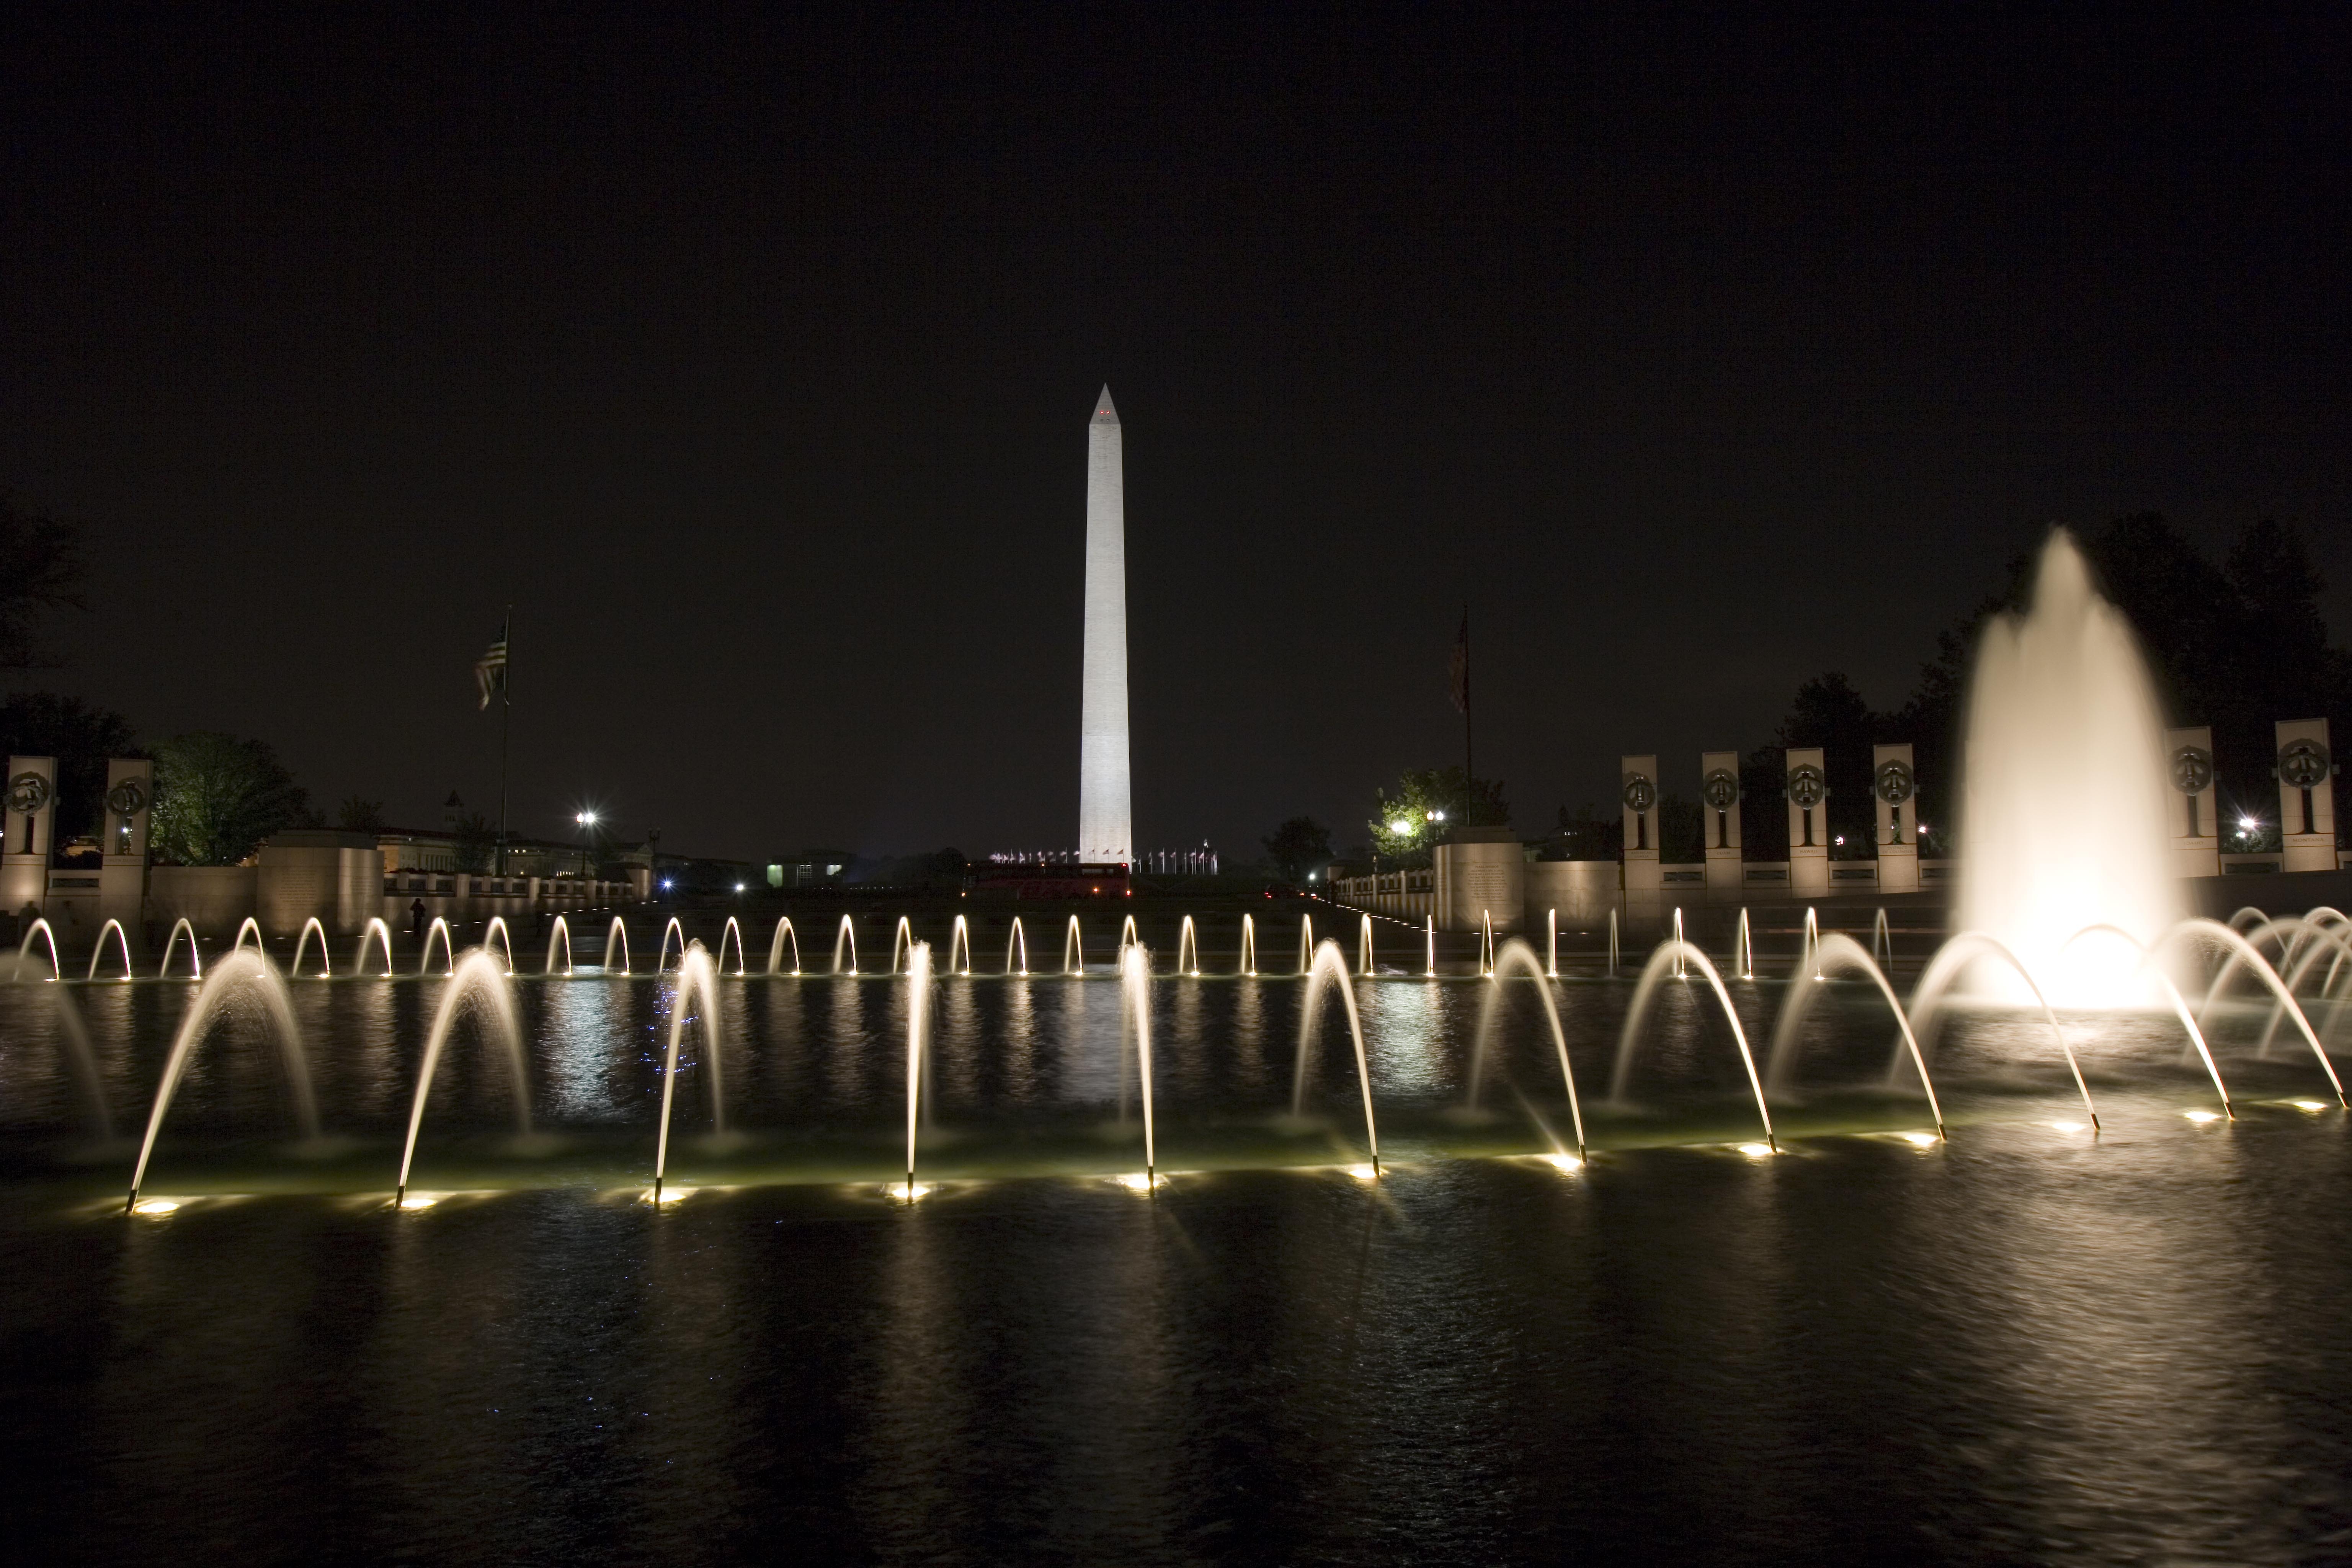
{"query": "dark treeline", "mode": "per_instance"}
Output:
(2238, 644)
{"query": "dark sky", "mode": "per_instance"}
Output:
(752, 363)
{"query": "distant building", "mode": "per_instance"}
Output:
(809, 867)
(438, 849)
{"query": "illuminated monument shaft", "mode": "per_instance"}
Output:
(1106, 819)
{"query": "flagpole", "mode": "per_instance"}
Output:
(506, 726)
(1469, 772)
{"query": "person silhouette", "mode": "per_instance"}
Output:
(416, 918)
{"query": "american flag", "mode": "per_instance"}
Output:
(491, 670)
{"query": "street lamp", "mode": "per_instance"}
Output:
(587, 821)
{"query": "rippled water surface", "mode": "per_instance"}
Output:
(2023, 1345)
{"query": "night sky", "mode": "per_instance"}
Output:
(752, 364)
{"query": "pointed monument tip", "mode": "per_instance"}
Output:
(1104, 413)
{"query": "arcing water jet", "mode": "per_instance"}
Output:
(237, 977)
(697, 977)
(1669, 955)
(784, 933)
(1328, 971)
(1518, 957)
(376, 933)
(301, 945)
(479, 987)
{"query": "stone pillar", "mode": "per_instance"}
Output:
(1645, 882)
(1894, 791)
(1580, 892)
(123, 830)
(304, 873)
(1809, 823)
(1719, 794)
(2196, 830)
(1481, 872)
(32, 809)
(2306, 776)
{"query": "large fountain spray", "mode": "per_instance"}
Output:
(2063, 818)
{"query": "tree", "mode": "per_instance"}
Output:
(81, 738)
(2278, 664)
(217, 798)
(2236, 646)
(1682, 830)
(1427, 804)
(937, 870)
(477, 840)
(360, 816)
(1299, 845)
(1586, 834)
(1763, 803)
(44, 573)
(1828, 712)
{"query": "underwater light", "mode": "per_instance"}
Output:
(1365, 1172)
(1136, 1181)
(2308, 1104)
(2202, 1115)
(420, 1200)
(155, 1205)
(669, 1194)
(2067, 1126)
(1756, 1151)
(1920, 1140)
(1562, 1161)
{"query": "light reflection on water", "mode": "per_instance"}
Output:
(1083, 1024)
(2015, 1347)
(2019, 1346)
(1404, 1026)
(822, 1056)
(2126, 1320)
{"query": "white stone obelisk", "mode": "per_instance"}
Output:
(1105, 817)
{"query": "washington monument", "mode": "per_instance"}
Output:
(1105, 818)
